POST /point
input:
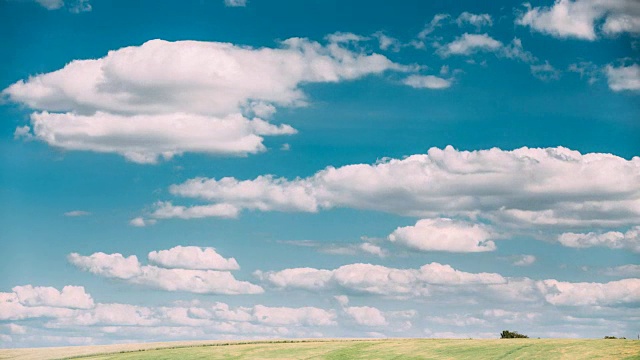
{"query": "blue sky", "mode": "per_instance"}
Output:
(213, 170)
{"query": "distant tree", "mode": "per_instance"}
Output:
(506, 334)
(613, 337)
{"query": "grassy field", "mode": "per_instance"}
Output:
(349, 349)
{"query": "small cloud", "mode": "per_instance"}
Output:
(285, 147)
(141, 222)
(79, 6)
(51, 4)
(23, 132)
(74, 6)
(427, 82)
(545, 72)
(587, 70)
(235, 3)
(77, 213)
(524, 260)
(387, 42)
(477, 20)
(630, 270)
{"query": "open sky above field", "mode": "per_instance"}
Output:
(228, 169)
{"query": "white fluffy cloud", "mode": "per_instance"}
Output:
(107, 265)
(51, 4)
(192, 257)
(25, 302)
(581, 294)
(624, 77)
(172, 279)
(235, 3)
(524, 260)
(366, 315)
(470, 43)
(613, 239)
(427, 82)
(547, 187)
(578, 18)
(444, 234)
(68, 297)
(161, 99)
(294, 316)
(146, 138)
(376, 279)
(438, 281)
(477, 20)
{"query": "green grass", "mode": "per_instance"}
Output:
(359, 349)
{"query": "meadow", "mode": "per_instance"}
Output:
(348, 349)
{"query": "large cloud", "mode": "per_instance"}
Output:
(629, 240)
(547, 187)
(580, 294)
(68, 297)
(161, 99)
(25, 302)
(192, 257)
(173, 279)
(442, 282)
(444, 235)
(376, 279)
(578, 19)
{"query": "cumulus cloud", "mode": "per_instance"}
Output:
(141, 222)
(545, 71)
(26, 302)
(624, 291)
(629, 240)
(294, 316)
(77, 213)
(544, 187)
(477, 20)
(166, 210)
(470, 43)
(192, 257)
(145, 139)
(74, 6)
(624, 77)
(161, 99)
(376, 279)
(438, 281)
(235, 3)
(508, 316)
(444, 234)
(51, 4)
(579, 18)
(456, 320)
(130, 270)
(624, 271)
(386, 42)
(68, 297)
(524, 260)
(366, 315)
(427, 82)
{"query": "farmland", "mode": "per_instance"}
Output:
(348, 349)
